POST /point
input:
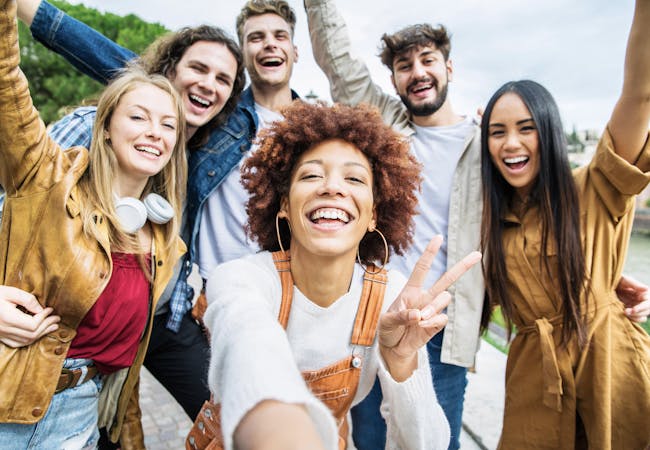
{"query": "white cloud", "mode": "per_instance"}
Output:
(574, 47)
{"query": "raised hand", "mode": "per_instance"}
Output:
(18, 328)
(416, 314)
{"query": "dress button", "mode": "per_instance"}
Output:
(356, 362)
(160, 263)
(37, 412)
(211, 173)
(58, 350)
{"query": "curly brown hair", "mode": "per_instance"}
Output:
(396, 174)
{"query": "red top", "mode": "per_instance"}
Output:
(110, 332)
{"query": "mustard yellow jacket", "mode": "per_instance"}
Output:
(43, 249)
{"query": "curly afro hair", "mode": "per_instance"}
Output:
(396, 174)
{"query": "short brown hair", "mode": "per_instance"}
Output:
(164, 53)
(414, 36)
(258, 7)
(396, 174)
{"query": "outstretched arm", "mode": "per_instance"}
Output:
(628, 125)
(89, 51)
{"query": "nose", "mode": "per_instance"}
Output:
(154, 130)
(418, 70)
(512, 142)
(333, 185)
(270, 41)
(208, 83)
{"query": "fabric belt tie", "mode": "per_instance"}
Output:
(74, 377)
(552, 395)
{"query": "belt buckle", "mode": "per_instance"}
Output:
(67, 372)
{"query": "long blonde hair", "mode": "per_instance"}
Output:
(97, 183)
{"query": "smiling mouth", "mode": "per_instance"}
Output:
(516, 162)
(271, 62)
(148, 150)
(199, 102)
(323, 216)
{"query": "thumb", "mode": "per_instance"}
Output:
(20, 297)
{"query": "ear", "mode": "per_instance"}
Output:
(392, 80)
(295, 53)
(372, 225)
(450, 70)
(284, 208)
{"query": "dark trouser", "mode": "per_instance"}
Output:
(449, 382)
(179, 361)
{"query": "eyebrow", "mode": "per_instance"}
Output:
(519, 122)
(148, 111)
(346, 164)
(203, 65)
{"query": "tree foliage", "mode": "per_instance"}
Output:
(55, 84)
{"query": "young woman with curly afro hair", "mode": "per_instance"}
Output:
(301, 330)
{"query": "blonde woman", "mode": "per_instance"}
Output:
(82, 232)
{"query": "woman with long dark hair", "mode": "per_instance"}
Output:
(555, 242)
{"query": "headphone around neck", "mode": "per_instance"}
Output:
(133, 213)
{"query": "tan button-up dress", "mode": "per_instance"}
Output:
(607, 383)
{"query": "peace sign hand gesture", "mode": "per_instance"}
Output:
(416, 314)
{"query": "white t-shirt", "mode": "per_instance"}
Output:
(222, 236)
(438, 149)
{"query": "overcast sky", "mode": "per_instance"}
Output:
(574, 47)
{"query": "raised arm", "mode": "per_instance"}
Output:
(349, 77)
(628, 125)
(89, 51)
(24, 145)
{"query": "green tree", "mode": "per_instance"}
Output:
(55, 84)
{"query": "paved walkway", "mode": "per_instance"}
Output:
(166, 425)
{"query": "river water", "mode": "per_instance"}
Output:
(638, 258)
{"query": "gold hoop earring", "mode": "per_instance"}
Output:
(277, 231)
(383, 238)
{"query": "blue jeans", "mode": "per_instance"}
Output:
(449, 382)
(70, 422)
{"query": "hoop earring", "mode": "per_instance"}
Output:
(383, 238)
(277, 231)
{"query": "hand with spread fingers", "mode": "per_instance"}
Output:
(636, 298)
(416, 315)
(22, 319)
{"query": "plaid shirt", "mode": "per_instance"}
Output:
(77, 129)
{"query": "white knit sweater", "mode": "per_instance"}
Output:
(254, 359)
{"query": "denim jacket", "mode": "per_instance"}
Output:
(100, 58)
(351, 83)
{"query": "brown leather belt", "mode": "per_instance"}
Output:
(70, 378)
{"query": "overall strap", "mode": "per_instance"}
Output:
(282, 262)
(372, 299)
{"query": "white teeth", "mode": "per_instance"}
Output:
(153, 151)
(330, 213)
(200, 100)
(422, 88)
(515, 159)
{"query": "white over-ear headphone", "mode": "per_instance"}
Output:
(133, 213)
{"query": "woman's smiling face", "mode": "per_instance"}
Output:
(330, 204)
